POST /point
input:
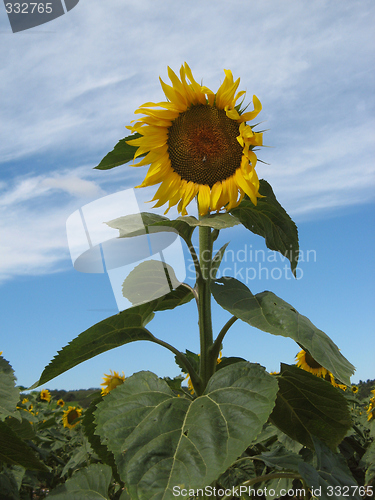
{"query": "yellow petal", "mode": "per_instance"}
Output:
(203, 199)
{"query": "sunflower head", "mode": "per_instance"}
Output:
(111, 381)
(198, 144)
(308, 363)
(60, 403)
(45, 395)
(354, 389)
(70, 417)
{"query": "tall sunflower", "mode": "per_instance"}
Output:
(198, 145)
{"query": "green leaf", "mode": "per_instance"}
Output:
(277, 485)
(330, 476)
(23, 429)
(181, 295)
(100, 449)
(242, 470)
(308, 406)
(160, 440)
(14, 451)
(271, 314)
(279, 458)
(270, 220)
(369, 459)
(115, 331)
(149, 223)
(9, 393)
(148, 281)
(8, 486)
(122, 153)
(77, 457)
(91, 483)
(215, 221)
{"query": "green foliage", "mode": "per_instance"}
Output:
(242, 426)
(14, 451)
(9, 393)
(308, 406)
(148, 281)
(270, 220)
(271, 314)
(112, 332)
(160, 440)
(329, 474)
(91, 483)
(121, 153)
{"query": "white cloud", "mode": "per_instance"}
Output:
(73, 90)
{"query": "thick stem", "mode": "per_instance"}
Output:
(207, 362)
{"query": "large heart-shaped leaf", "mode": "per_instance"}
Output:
(161, 441)
(271, 314)
(308, 406)
(269, 219)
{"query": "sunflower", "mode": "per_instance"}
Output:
(112, 381)
(354, 389)
(198, 145)
(371, 409)
(70, 417)
(45, 395)
(60, 403)
(308, 363)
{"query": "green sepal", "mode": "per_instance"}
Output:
(308, 406)
(121, 153)
(269, 219)
(271, 314)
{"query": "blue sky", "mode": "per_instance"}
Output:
(70, 88)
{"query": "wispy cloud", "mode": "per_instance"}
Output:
(74, 90)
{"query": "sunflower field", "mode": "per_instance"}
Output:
(225, 428)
